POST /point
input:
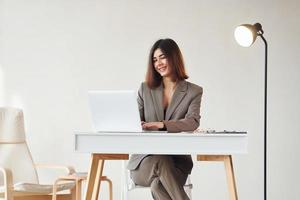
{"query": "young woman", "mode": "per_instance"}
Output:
(166, 102)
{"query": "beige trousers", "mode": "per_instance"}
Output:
(160, 174)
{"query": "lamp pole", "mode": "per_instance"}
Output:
(265, 116)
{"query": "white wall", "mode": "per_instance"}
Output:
(53, 52)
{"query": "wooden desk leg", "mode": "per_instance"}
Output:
(78, 189)
(95, 173)
(230, 177)
(94, 177)
(227, 159)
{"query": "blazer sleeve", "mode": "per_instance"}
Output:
(191, 121)
(140, 101)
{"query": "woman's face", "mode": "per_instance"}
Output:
(160, 63)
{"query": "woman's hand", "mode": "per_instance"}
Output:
(152, 125)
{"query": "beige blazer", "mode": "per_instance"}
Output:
(182, 114)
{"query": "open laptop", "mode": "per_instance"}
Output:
(115, 111)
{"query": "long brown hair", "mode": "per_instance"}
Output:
(175, 60)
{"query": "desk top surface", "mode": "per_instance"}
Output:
(161, 143)
(165, 134)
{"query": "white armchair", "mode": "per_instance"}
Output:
(18, 174)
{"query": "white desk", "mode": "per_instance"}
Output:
(117, 146)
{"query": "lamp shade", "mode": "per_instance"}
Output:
(245, 35)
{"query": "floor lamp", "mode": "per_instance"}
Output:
(245, 35)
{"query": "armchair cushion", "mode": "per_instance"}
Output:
(37, 188)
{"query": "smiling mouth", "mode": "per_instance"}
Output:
(162, 69)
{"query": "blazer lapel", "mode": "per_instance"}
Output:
(178, 95)
(157, 97)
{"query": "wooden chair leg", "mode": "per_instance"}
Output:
(110, 186)
(74, 193)
(230, 177)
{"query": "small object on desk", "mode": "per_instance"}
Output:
(231, 132)
(204, 131)
(211, 131)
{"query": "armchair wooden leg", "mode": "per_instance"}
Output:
(54, 190)
(78, 190)
(75, 191)
(74, 195)
(8, 183)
